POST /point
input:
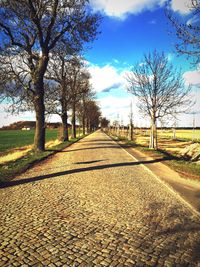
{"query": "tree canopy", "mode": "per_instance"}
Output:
(30, 31)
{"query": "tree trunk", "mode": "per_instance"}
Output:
(88, 125)
(131, 132)
(73, 121)
(83, 124)
(153, 134)
(174, 134)
(38, 81)
(83, 116)
(39, 138)
(64, 135)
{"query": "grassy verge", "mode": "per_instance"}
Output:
(10, 170)
(185, 168)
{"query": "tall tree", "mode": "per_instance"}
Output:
(30, 30)
(88, 95)
(68, 82)
(159, 88)
(92, 114)
(188, 31)
(79, 88)
(58, 94)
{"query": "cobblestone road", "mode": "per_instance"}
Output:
(92, 205)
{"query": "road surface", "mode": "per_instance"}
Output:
(93, 205)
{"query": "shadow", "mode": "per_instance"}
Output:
(87, 148)
(97, 140)
(177, 224)
(92, 168)
(96, 143)
(195, 252)
(89, 162)
(183, 225)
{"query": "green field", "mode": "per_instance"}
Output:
(17, 138)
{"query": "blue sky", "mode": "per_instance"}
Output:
(129, 29)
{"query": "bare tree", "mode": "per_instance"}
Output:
(159, 88)
(80, 87)
(188, 32)
(58, 94)
(88, 95)
(92, 115)
(30, 29)
(69, 82)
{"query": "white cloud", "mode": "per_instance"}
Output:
(192, 77)
(121, 8)
(181, 6)
(116, 108)
(104, 78)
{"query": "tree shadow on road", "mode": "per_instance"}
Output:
(78, 170)
(97, 140)
(176, 224)
(90, 162)
(87, 148)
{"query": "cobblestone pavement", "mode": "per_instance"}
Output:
(92, 205)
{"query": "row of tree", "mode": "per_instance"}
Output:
(160, 89)
(40, 64)
(68, 88)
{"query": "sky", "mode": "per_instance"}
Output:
(130, 28)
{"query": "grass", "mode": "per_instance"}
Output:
(10, 139)
(181, 134)
(11, 169)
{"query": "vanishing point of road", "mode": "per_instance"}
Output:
(93, 205)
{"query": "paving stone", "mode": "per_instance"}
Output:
(106, 211)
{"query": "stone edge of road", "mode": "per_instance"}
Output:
(170, 188)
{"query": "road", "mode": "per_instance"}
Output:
(93, 205)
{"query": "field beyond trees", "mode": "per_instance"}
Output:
(10, 139)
